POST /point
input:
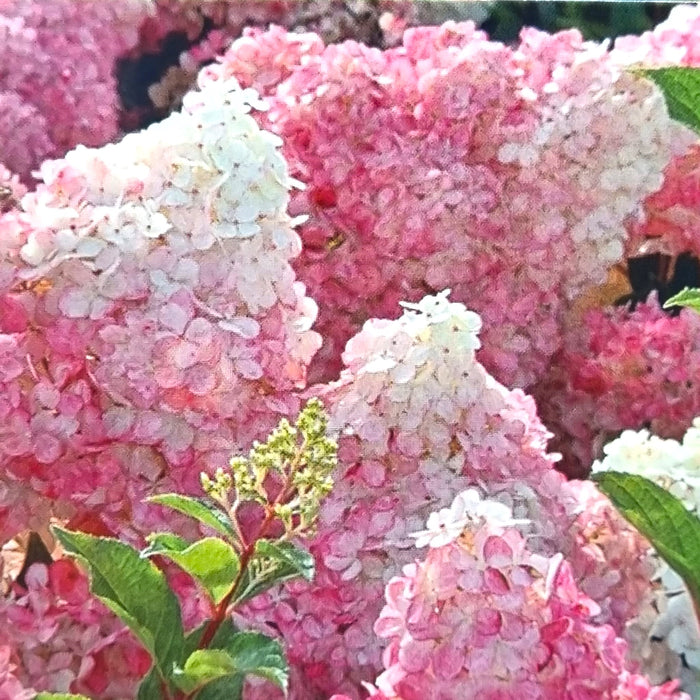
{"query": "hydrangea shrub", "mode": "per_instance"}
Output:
(155, 319)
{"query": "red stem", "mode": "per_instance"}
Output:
(246, 554)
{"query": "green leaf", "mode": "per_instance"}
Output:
(202, 667)
(150, 686)
(687, 297)
(134, 590)
(159, 542)
(227, 688)
(60, 696)
(211, 562)
(272, 563)
(662, 518)
(681, 89)
(259, 655)
(226, 631)
(245, 653)
(200, 509)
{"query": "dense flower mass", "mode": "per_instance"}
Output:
(426, 163)
(148, 300)
(621, 369)
(483, 616)
(57, 84)
(419, 421)
(675, 466)
(155, 320)
(64, 639)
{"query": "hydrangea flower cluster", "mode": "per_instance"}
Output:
(57, 87)
(426, 164)
(419, 421)
(151, 319)
(675, 466)
(65, 640)
(483, 616)
(152, 324)
(621, 369)
(211, 26)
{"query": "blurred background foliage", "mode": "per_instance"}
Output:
(596, 20)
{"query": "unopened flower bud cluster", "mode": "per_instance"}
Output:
(304, 458)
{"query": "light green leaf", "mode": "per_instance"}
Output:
(200, 509)
(60, 696)
(202, 667)
(681, 89)
(273, 563)
(662, 518)
(159, 542)
(687, 297)
(211, 562)
(135, 590)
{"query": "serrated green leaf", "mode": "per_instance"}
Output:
(273, 563)
(211, 562)
(681, 89)
(135, 590)
(259, 655)
(687, 297)
(225, 689)
(229, 688)
(202, 667)
(673, 531)
(200, 509)
(60, 696)
(245, 653)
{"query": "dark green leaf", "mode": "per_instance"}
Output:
(150, 687)
(227, 688)
(681, 89)
(255, 653)
(663, 519)
(688, 297)
(135, 590)
(202, 667)
(273, 563)
(245, 653)
(211, 562)
(200, 509)
(225, 632)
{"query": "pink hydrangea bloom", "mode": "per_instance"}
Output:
(65, 640)
(621, 369)
(61, 89)
(152, 323)
(427, 164)
(420, 421)
(483, 616)
(10, 686)
(671, 213)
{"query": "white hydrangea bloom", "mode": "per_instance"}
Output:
(468, 508)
